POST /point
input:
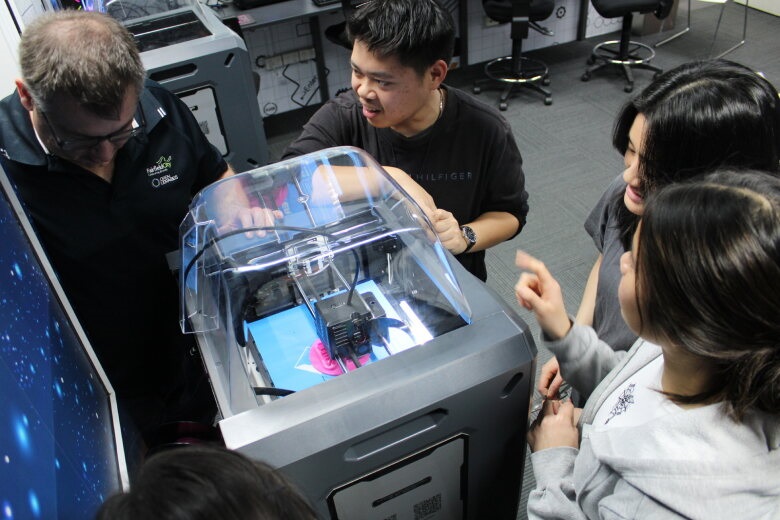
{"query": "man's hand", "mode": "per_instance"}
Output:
(249, 218)
(556, 426)
(415, 191)
(234, 210)
(448, 231)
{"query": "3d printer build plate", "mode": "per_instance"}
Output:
(284, 341)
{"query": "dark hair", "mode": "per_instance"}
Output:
(417, 32)
(700, 116)
(88, 56)
(708, 280)
(203, 483)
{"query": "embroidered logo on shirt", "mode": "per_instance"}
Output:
(159, 172)
(624, 399)
(162, 165)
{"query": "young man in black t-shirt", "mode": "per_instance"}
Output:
(454, 155)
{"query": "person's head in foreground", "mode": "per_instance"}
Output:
(207, 483)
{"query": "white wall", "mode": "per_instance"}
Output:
(9, 66)
(23, 12)
(768, 6)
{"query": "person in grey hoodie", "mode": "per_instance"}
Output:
(687, 423)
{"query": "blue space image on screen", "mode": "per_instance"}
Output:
(57, 450)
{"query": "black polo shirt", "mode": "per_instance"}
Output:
(107, 241)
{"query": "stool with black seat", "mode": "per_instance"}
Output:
(517, 71)
(625, 53)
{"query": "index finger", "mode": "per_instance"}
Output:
(527, 262)
(555, 385)
(546, 377)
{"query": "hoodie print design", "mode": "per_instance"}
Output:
(625, 399)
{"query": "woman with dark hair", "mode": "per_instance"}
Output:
(692, 119)
(207, 483)
(687, 423)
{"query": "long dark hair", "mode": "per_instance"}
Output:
(700, 116)
(708, 281)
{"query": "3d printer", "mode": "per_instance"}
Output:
(342, 347)
(187, 48)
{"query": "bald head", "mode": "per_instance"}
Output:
(89, 57)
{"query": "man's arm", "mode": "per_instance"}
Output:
(227, 173)
(235, 211)
(491, 228)
(346, 183)
(415, 191)
(503, 204)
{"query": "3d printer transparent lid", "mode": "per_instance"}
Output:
(332, 256)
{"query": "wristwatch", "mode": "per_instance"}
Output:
(470, 236)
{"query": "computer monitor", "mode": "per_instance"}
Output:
(61, 450)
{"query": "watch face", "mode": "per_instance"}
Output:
(469, 234)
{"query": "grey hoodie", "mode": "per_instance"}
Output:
(695, 464)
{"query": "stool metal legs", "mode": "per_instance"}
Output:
(676, 35)
(714, 36)
(717, 27)
(516, 72)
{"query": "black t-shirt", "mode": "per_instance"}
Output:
(107, 241)
(468, 160)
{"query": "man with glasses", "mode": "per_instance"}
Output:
(106, 164)
(118, 138)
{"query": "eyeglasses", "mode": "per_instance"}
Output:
(84, 143)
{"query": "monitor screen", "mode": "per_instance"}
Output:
(60, 449)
